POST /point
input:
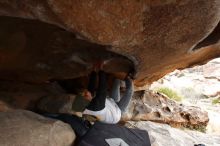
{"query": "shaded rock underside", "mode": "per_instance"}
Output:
(55, 39)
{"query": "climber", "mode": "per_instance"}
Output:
(103, 108)
(100, 108)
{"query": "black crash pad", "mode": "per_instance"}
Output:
(99, 132)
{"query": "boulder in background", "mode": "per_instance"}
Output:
(25, 128)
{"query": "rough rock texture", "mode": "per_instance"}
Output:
(199, 86)
(36, 52)
(157, 36)
(164, 135)
(25, 128)
(56, 104)
(44, 97)
(19, 95)
(4, 107)
(150, 106)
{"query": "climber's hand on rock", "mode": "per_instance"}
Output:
(131, 74)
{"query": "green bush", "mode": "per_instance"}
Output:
(216, 101)
(200, 128)
(170, 93)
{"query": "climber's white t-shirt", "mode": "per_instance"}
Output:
(110, 114)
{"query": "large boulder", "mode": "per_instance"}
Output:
(155, 37)
(26, 128)
(151, 106)
(164, 135)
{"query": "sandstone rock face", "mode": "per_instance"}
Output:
(4, 107)
(56, 104)
(157, 36)
(150, 106)
(19, 95)
(50, 53)
(25, 128)
(164, 135)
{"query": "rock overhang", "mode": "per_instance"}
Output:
(157, 36)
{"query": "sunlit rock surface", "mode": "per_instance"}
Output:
(20, 127)
(199, 86)
(151, 106)
(195, 82)
(157, 36)
(164, 135)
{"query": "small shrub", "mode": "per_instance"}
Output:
(216, 101)
(170, 93)
(200, 128)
